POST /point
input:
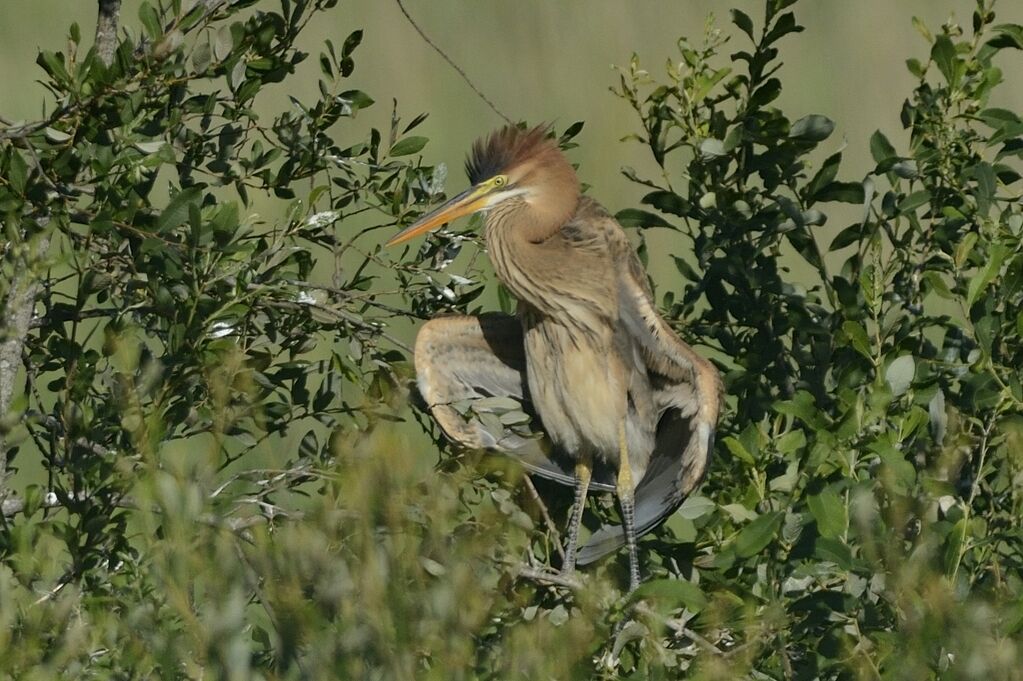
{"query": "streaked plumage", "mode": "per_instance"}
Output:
(587, 353)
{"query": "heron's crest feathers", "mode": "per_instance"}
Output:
(507, 148)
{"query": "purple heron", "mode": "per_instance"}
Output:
(626, 405)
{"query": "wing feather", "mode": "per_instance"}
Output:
(462, 360)
(687, 395)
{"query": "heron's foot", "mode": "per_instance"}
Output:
(550, 577)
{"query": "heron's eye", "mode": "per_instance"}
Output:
(500, 181)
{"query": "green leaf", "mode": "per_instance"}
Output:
(906, 169)
(56, 136)
(17, 172)
(1012, 428)
(667, 202)
(938, 417)
(671, 594)
(998, 118)
(953, 547)
(914, 201)
(695, 507)
(943, 52)
(825, 176)
(150, 20)
(53, 64)
(803, 407)
(634, 217)
(849, 235)
(992, 266)
(857, 335)
(351, 42)
(1008, 35)
(830, 512)
(785, 24)
(900, 373)
(880, 148)
(742, 20)
(833, 551)
(176, 211)
(792, 441)
(919, 25)
(844, 192)
(685, 269)
(812, 128)
(355, 99)
(409, 145)
(965, 249)
(937, 284)
(738, 450)
(223, 44)
(755, 537)
(986, 185)
(712, 148)
(202, 56)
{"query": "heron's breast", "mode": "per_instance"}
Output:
(578, 386)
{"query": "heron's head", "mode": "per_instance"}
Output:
(510, 165)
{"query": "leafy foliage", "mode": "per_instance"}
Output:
(868, 493)
(206, 475)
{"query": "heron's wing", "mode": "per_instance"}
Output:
(687, 395)
(461, 362)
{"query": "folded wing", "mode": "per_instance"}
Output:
(687, 395)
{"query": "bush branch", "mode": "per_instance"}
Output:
(106, 30)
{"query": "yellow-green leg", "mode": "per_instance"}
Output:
(627, 499)
(583, 473)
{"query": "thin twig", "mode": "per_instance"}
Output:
(679, 628)
(341, 315)
(544, 577)
(551, 527)
(50, 594)
(453, 65)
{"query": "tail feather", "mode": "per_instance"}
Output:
(668, 480)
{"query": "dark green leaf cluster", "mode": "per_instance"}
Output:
(867, 504)
(204, 470)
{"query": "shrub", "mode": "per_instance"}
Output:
(202, 471)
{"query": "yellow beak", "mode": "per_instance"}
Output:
(466, 203)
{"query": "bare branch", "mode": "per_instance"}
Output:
(340, 315)
(17, 318)
(106, 30)
(544, 577)
(551, 527)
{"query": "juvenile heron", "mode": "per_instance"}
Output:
(627, 406)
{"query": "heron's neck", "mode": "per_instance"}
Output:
(520, 245)
(543, 213)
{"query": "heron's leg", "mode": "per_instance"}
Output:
(627, 499)
(583, 473)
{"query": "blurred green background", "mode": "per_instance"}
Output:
(553, 61)
(538, 61)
